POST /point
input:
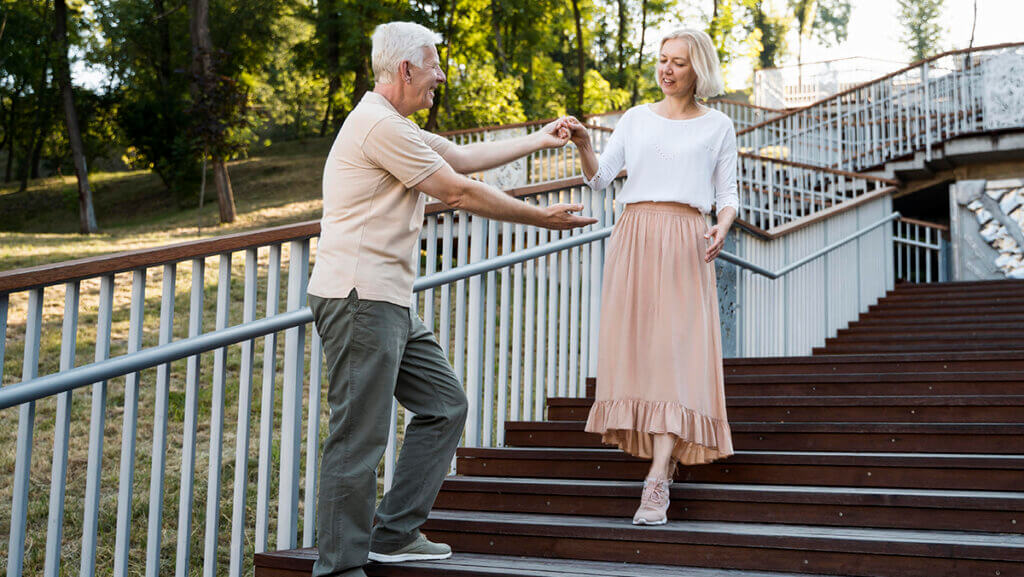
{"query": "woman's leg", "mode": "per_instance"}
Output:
(661, 461)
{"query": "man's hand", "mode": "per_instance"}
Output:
(555, 134)
(560, 217)
(716, 240)
(578, 132)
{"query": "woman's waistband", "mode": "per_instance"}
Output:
(677, 208)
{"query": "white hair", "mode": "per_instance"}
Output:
(394, 42)
(703, 58)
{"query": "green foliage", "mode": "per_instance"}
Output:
(922, 33)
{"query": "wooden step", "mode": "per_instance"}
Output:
(906, 470)
(961, 330)
(979, 294)
(988, 511)
(1001, 438)
(915, 332)
(881, 384)
(882, 348)
(967, 286)
(1004, 339)
(299, 563)
(949, 310)
(950, 321)
(859, 408)
(796, 548)
(940, 304)
(959, 361)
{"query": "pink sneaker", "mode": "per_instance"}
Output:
(654, 503)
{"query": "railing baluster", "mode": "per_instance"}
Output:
(267, 404)
(503, 345)
(26, 426)
(545, 273)
(61, 435)
(122, 542)
(4, 303)
(489, 330)
(217, 420)
(530, 313)
(474, 344)
(188, 448)
(242, 430)
(159, 454)
(518, 314)
(291, 399)
(460, 300)
(444, 331)
(316, 363)
(97, 416)
(431, 266)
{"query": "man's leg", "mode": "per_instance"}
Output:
(428, 387)
(363, 343)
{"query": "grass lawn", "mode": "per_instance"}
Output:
(275, 186)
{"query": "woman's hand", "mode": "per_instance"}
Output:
(578, 132)
(555, 134)
(716, 240)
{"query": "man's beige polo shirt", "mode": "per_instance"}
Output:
(371, 217)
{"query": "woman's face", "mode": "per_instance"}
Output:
(675, 74)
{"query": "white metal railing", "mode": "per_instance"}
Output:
(744, 115)
(800, 85)
(921, 251)
(912, 110)
(531, 326)
(775, 192)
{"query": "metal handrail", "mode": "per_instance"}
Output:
(49, 385)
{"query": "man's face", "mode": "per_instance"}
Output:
(425, 79)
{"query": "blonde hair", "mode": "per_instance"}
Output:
(394, 42)
(703, 58)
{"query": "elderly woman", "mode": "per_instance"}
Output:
(660, 392)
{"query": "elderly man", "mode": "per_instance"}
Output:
(360, 295)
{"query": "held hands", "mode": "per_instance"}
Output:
(560, 217)
(716, 240)
(559, 132)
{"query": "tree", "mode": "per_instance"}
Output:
(87, 216)
(212, 97)
(825, 20)
(922, 33)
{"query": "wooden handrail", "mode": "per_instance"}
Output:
(748, 105)
(925, 224)
(527, 123)
(50, 274)
(90, 267)
(879, 79)
(835, 171)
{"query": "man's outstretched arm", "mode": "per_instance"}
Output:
(470, 158)
(464, 193)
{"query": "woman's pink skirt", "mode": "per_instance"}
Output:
(659, 366)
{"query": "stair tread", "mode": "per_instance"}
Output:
(761, 493)
(719, 532)
(813, 427)
(893, 357)
(959, 460)
(841, 401)
(506, 565)
(917, 377)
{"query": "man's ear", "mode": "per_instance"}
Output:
(403, 72)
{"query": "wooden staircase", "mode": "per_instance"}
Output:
(897, 450)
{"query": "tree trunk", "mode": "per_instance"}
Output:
(330, 19)
(332, 89)
(86, 214)
(579, 58)
(496, 16)
(202, 70)
(361, 85)
(640, 52)
(620, 46)
(225, 195)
